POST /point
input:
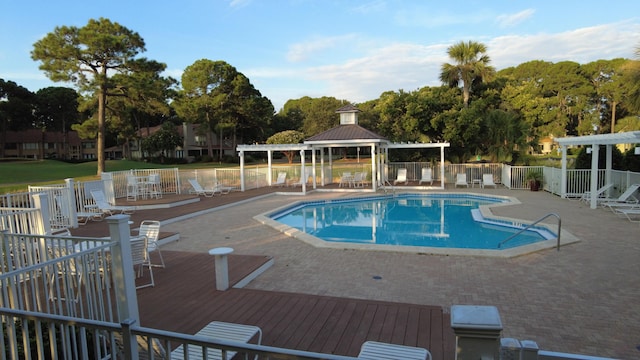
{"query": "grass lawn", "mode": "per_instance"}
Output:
(15, 176)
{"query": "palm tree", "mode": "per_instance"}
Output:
(472, 64)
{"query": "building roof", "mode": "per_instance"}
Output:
(348, 108)
(346, 134)
(630, 137)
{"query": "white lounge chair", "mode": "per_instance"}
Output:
(632, 214)
(303, 179)
(487, 180)
(624, 198)
(223, 189)
(199, 190)
(586, 197)
(374, 350)
(103, 205)
(426, 176)
(281, 180)
(461, 180)
(83, 216)
(151, 230)
(219, 330)
(401, 177)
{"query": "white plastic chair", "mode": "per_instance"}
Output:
(140, 259)
(151, 230)
(461, 180)
(487, 180)
(154, 188)
(281, 180)
(402, 177)
(426, 176)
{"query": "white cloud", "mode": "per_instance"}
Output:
(509, 20)
(581, 45)
(304, 50)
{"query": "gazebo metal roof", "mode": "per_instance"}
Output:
(630, 137)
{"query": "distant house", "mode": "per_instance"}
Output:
(194, 144)
(546, 145)
(38, 144)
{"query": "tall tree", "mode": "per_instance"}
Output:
(16, 110)
(205, 96)
(471, 65)
(87, 56)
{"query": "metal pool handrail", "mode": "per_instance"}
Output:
(533, 224)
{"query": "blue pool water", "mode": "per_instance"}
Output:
(435, 220)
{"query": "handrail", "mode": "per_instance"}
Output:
(531, 225)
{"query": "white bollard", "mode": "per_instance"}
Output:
(222, 267)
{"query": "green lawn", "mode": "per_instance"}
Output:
(15, 176)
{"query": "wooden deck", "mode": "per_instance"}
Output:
(184, 300)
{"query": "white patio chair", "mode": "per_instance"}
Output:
(151, 230)
(140, 259)
(154, 188)
(487, 180)
(461, 180)
(104, 206)
(281, 180)
(346, 179)
(401, 177)
(426, 176)
(132, 187)
(374, 350)
(219, 330)
(198, 189)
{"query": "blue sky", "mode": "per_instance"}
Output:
(353, 50)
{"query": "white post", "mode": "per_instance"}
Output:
(442, 185)
(595, 151)
(302, 172)
(72, 201)
(313, 169)
(269, 168)
(124, 279)
(374, 168)
(222, 266)
(563, 176)
(241, 155)
(41, 202)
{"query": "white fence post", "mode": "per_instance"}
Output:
(41, 225)
(124, 278)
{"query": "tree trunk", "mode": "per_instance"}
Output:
(102, 100)
(613, 116)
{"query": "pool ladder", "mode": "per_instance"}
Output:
(532, 225)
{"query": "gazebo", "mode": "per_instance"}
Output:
(595, 141)
(347, 134)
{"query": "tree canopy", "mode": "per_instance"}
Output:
(87, 56)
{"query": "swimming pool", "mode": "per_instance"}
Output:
(415, 222)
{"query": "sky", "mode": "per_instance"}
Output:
(348, 49)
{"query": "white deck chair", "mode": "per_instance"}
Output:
(140, 258)
(105, 207)
(281, 180)
(632, 214)
(219, 330)
(223, 189)
(151, 230)
(83, 216)
(487, 180)
(401, 177)
(303, 179)
(624, 198)
(374, 350)
(426, 176)
(586, 197)
(198, 189)
(461, 180)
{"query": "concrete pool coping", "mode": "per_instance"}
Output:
(565, 236)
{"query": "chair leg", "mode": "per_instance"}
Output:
(161, 265)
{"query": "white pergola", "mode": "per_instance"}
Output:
(595, 141)
(379, 151)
